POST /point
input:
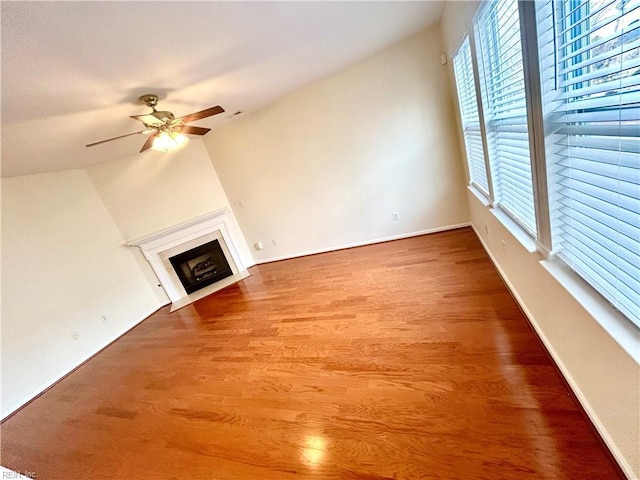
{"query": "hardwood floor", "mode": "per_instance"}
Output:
(402, 360)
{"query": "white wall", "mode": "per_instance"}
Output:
(604, 377)
(64, 266)
(328, 165)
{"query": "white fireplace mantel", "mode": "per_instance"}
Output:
(157, 247)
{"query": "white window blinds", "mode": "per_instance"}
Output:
(497, 29)
(590, 69)
(468, 102)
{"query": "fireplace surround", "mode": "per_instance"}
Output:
(194, 258)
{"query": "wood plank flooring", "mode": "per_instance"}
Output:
(402, 360)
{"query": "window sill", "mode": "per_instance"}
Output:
(479, 195)
(516, 230)
(623, 332)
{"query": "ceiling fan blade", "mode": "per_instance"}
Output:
(116, 138)
(194, 130)
(149, 120)
(148, 143)
(203, 114)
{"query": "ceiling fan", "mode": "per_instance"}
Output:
(166, 130)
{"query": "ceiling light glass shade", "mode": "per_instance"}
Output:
(168, 142)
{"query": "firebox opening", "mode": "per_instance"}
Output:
(201, 266)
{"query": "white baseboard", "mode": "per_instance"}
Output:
(43, 388)
(615, 451)
(363, 243)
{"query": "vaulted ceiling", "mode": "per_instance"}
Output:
(72, 72)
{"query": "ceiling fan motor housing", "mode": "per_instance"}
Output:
(166, 117)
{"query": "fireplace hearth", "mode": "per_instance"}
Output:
(201, 266)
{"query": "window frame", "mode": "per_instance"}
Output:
(535, 108)
(492, 60)
(580, 13)
(488, 192)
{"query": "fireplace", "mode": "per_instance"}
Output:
(195, 258)
(201, 266)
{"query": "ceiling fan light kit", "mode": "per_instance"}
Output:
(168, 142)
(167, 131)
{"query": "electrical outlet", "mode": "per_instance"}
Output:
(275, 242)
(486, 228)
(395, 215)
(75, 335)
(104, 319)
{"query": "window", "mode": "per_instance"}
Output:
(497, 33)
(465, 81)
(581, 186)
(590, 75)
